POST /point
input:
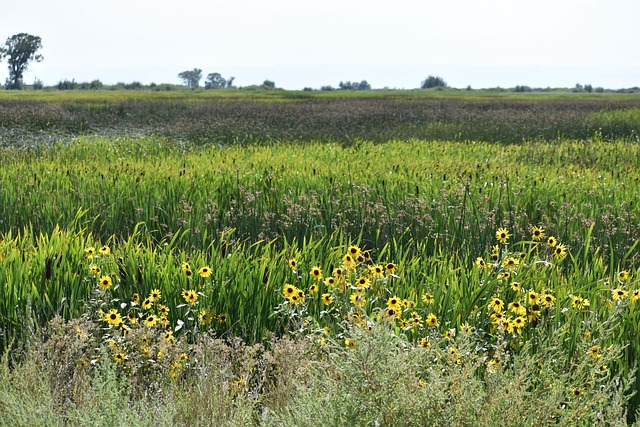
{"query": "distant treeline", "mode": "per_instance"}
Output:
(429, 84)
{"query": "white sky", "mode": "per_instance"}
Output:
(394, 43)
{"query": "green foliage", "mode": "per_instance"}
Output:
(433, 82)
(191, 78)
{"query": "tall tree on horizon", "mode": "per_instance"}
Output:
(20, 49)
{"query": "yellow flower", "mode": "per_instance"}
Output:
(163, 310)
(363, 282)
(425, 343)
(105, 250)
(289, 290)
(391, 268)
(90, 251)
(186, 266)
(517, 308)
(354, 251)
(538, 233)
(595, 352)
(105, 282)
(496, 305)
(431, 320)
(534, 298)
(222, 318)
(518, 323)
(330, 281)
(635, 295)
(377, 271)
(502, 235)
(348, 262)
(551, 241)
(147, 304)
(516, 286)
(338, 272)
(350, 343)
(313, 289)
(327, 299)
(119, 357)
(427, 298)
(293, 263)
(547, 300)
(151, 320)
(190, 296)
(168, 336)
(154, 295)
(479, 262)
(204, 271)
(357, 299)
(618, 293)
(560, 251)
(94, 269)
(623, 276)
(510, 263)
(316, 273)
(113, 317)
(135, 298)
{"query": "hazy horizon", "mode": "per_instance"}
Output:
(552, 43)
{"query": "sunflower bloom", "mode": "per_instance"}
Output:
(147, 304)
(357, 299)
(502, 235)
(431, 320)
(354, 251)
(619, 294)
(105, 282)
(313, 289)
(427, 298)
(560, 251)
(350, 343)
(510, 263)
(538, 233)
(377, 271)
(391, 268)
(517, 308)
(105, 250)
(151, 320)
(289, 290)
(331, 282)
(425, 343)
(316, 273)
(94, 269)
(623, 276)
(163, 310)
(154, 295)
(190, 296)
(113, 317)
(204, 271)
(327, 299)
(496, 305)
(552, 242)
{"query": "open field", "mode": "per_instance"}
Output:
(231, 117)
(406, 260)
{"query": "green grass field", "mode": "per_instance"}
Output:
(476, 244)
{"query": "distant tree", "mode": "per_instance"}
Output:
(326, 88)
(363, 85)
(191, 78)
(37, 84)
(268, 84)
(20, 49)
(433, 81)
(588, 88)
(216, 81)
